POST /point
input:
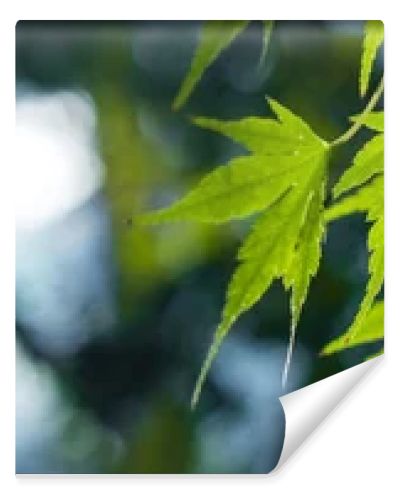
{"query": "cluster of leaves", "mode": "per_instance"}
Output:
(283, 179)
(366, 177)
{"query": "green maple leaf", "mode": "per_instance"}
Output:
(215, 36)
(371, 331)
(284, 178)
(373, 38)
(367, 163)
(373, 120)
(366, 174)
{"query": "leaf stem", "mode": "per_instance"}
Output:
(358, 123)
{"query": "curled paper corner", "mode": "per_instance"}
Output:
(306, 408)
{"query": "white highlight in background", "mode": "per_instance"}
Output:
(56, 165)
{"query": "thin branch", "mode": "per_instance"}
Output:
(358, 123)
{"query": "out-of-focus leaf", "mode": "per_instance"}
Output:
(267, 31)
(214, 38)
(368, 164)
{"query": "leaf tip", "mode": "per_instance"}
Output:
(207, 123)
(270, 100)
(324, 352)
(200, 121)
(211, 355)
(177, 103)
(212, 352)
(338, 189)
(363, 88)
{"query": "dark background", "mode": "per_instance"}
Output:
(113, 321)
